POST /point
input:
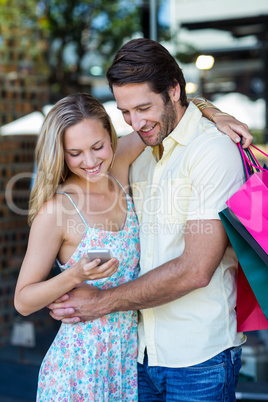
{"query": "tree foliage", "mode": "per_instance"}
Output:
(91, 30)
(80, 33)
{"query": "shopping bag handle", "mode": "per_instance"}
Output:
(249, 160)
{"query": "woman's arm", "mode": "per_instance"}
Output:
(33, 291)
(129, 148)
(229, 125)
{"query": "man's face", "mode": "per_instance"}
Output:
(146, 112)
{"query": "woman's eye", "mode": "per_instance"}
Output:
(74, 155)
(97, 149)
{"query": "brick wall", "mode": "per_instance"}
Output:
(24, 74)
(16, 167)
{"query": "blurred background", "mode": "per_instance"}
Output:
(52, 48)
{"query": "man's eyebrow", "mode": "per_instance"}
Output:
(136, 107)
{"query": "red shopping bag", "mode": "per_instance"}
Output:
(250, 316)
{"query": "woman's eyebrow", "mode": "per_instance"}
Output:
(76, 149)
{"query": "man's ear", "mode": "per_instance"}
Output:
(175, 93)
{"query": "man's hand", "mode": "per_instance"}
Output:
(81, 304)
(234, 129)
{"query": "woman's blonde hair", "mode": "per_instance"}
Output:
(51, 168)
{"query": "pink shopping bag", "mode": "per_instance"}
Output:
(250, 205)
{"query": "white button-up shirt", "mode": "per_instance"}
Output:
(199, 170)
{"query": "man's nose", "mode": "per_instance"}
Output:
(137, 122)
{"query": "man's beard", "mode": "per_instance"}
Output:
(168, 121)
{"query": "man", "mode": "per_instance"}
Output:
(189, 349)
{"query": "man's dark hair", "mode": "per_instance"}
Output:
(146, 61)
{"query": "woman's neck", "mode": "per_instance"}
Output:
(102, 186)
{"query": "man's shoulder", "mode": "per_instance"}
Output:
(209, 138)
(208, 129)
(210, 147)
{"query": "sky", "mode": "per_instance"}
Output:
(163, 15)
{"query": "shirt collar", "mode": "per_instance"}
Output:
(186, 128)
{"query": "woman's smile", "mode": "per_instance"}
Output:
(92, 171)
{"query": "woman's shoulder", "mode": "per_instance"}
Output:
(58, 203)
(50, 208)
(49, 218)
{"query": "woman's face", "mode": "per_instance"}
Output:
(87, 150)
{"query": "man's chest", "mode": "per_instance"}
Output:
(161, 189)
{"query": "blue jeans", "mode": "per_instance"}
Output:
(212, 380)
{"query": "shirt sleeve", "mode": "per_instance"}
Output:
(215, 173)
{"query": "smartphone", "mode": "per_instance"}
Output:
(103, 254)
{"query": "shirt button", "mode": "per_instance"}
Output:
(154, 193)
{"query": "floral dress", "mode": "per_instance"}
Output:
(97, 360)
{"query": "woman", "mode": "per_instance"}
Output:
(79, 202)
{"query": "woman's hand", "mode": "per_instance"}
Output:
(86, 270)
(234, 128)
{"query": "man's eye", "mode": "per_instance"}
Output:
(144, 109)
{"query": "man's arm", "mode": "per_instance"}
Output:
(170, 281)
